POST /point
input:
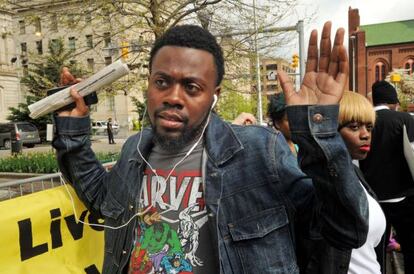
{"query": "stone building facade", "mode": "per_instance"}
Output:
(10, 94)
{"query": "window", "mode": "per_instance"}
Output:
(107, 39)
(39, 47)
(22, 27)
(89, 41)
(72, 43)
(108, 60)
(53, 23)
(54, 44)
(409, 66)
(88, 17)
(271, 87)
(38, 26)
(23, 48)
(71, 20)
(380, 71)
(25, 66)
(91, 64)
(271, 67)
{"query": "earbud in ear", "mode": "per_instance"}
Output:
(214, 101)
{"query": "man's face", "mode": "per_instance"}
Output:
(180, 93)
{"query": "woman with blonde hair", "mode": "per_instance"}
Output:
(356, 121)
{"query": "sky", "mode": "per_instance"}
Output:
(370, 12)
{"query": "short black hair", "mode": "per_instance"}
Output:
(276, 108)
(191, 36)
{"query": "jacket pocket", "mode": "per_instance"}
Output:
(263, 242)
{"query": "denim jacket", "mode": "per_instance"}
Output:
(260, 202)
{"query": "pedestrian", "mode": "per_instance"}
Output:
(356, 121)
(386, 169)
(110, 131)
(244, 119)
(276, 110)
(212, 197)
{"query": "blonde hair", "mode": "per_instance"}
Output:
(354, 107)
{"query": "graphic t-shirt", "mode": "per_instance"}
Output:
(173, 235)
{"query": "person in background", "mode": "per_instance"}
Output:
(110, 131)
(386, 169)
(276, 110)
(356, 121)
(245, 119)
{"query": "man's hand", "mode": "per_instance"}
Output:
(326, 75)
(81, 109)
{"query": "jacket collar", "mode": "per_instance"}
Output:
(220, 139)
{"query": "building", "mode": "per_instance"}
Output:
(268, 69)
(10, 94)
(91, 36)
(375, 50)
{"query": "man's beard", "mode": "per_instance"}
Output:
(176, 143)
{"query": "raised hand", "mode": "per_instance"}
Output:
(326, 75)
(81, 109)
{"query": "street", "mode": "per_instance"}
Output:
(99, 144)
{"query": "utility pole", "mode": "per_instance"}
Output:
(258, 74)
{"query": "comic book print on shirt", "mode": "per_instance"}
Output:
(169, 231)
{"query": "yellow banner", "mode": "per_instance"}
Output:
(39, 234)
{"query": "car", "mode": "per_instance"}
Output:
(25, 132)
(99, 127)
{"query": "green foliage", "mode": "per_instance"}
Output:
(42, 162)
(232, 103)
(140, 109)
(43, 74)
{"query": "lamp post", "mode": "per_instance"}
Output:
(353, 42)
(258, 74)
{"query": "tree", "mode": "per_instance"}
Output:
(43, 74)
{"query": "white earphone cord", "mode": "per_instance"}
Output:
(138, 214)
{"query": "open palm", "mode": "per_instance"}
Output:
(326, 75)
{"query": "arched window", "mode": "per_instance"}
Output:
(380, 71)
(409, 65)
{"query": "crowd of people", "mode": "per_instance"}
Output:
(316, 193)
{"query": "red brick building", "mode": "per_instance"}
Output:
(377, 49)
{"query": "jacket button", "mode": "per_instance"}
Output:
(131, 207)
(124, 252)
(231, 225)
(317, 118)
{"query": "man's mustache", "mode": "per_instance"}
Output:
(171, 110)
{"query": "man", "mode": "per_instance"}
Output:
(386, 168)
(110, 131)
(222, 198)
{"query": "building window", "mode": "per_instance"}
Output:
(22, 27)
(89, 41)
(23, 48)
(39, 47)
(25, 66)
(54, 44)
(88, 17)
(107, 39)
(53, 23)
(380, 71)
(271, 87)
(108, 60)
(71, 20)
(409, 66)
(271, 67)
(38, 26)
(72, 43)
(91, 64)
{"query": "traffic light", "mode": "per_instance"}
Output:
(124, 49)
(295, 60)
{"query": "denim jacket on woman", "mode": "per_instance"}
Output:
(260, 202)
